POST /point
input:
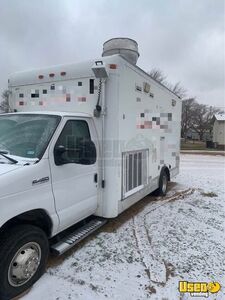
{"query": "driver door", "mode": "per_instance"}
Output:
(73, 181)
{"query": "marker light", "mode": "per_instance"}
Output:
(113, 66)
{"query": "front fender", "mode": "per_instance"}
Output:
(24, 189)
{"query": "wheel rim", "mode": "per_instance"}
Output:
(164, 184)
(24, 264)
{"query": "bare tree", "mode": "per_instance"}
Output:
(160, 77)
(202, 119)
(4, 105)
(179, 90)
(186, 118)
(195, 116)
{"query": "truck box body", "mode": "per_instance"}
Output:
(140, 132)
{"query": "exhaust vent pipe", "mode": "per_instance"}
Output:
(126, 47)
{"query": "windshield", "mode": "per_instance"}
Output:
(27, 135)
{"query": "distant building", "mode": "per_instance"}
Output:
(219, 131)
(193, 135)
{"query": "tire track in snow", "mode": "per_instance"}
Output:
(155, 266)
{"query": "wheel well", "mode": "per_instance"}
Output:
(36, 217)
(167, 171)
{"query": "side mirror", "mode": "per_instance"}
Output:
(58, 152)
(85, 153)
(60, 149)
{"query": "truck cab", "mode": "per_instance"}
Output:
(50, 161)
(48, 182)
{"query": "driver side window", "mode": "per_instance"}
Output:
(72, 136)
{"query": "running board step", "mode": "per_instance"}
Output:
(78, 235)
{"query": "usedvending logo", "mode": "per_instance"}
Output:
(199, 289)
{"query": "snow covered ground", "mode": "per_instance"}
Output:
(146, 251)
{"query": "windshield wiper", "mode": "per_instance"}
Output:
(4, 154)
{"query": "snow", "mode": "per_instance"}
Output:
(147, 250)
(220, 117)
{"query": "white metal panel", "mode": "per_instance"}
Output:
(112, 156)
(75, 191)
(147, 121)
(18, 195)
(123, 116)
(31, 77)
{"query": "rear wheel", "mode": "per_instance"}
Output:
(23, 257)
(163, 184)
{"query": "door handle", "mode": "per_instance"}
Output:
(96, 178)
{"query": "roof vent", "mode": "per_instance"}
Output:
(126, 47)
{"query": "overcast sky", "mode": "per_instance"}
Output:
(184, 38)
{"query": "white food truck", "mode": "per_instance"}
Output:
(83, 142)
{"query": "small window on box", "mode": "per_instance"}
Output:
(44, 91)
(21, 95)
(52, 87)
(80, 83)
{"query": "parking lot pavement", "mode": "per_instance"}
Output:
(147, 250)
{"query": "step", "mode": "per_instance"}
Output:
(78, 235)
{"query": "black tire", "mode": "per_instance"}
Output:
(163, 184)
(35, 242)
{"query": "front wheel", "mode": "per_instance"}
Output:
(23, 257)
